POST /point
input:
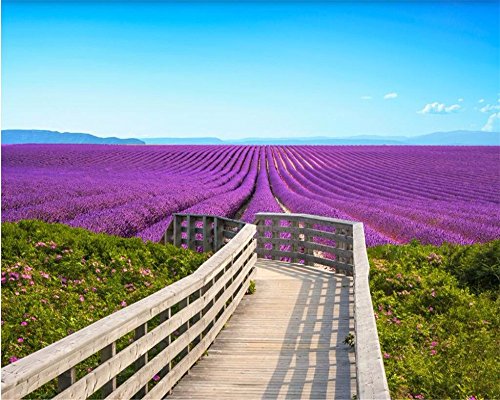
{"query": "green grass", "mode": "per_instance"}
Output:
(437, 311)
(60, 279)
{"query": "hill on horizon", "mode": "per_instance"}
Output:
(33, 136)
(453, 138)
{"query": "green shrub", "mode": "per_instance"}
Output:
(57, 280)
(437, 318)
(251, 287)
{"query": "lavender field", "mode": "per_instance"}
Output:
(433, 194)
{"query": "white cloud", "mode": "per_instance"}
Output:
(391, 95)
(493, 123)
(487, 108)
(439, 108)
(460, 100)
(366, 97)
(481, 101)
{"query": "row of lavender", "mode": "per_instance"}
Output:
(433, 194)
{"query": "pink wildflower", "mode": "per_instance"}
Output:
(387, 355)
(82, 299)
(13, 359)
(156, 378)
(431, 309)
(24, 323)
(20, 340)
(433, 352)
(123, 303)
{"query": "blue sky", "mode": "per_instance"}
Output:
(153, 69)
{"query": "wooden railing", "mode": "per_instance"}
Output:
(175, 325)
(339, 244)
(201, 232)
(306, 238)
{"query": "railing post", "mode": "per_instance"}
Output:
(274, 235)
(294, 236)
(308, 251)
(107, 353)
(66, 379)
(216, 234)
(177, 230)
(140, 331)
(206, 233)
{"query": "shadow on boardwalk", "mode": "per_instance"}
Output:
(285, 341)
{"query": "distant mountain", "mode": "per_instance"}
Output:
(319, 140)
(457, 138)
(454, 138)
(199, 140)
(20, 136)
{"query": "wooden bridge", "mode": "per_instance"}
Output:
(201, 337)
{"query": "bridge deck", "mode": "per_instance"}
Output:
(284, 341)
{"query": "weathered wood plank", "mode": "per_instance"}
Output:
(269, 350)
(325, 221)
(372, 381)
(306, 231)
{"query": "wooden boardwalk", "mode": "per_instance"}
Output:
(284, 341)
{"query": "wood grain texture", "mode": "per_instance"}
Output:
(284, 341)
(372, 381)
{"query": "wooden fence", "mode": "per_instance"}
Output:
(339, 244)
(201, 232)
(306, 238)
(186, 317)
(173, 327)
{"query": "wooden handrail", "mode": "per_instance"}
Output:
(192, 311)
(201, 232)
(307, 238)
(339, 244)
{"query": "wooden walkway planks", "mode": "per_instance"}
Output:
(284, 341)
